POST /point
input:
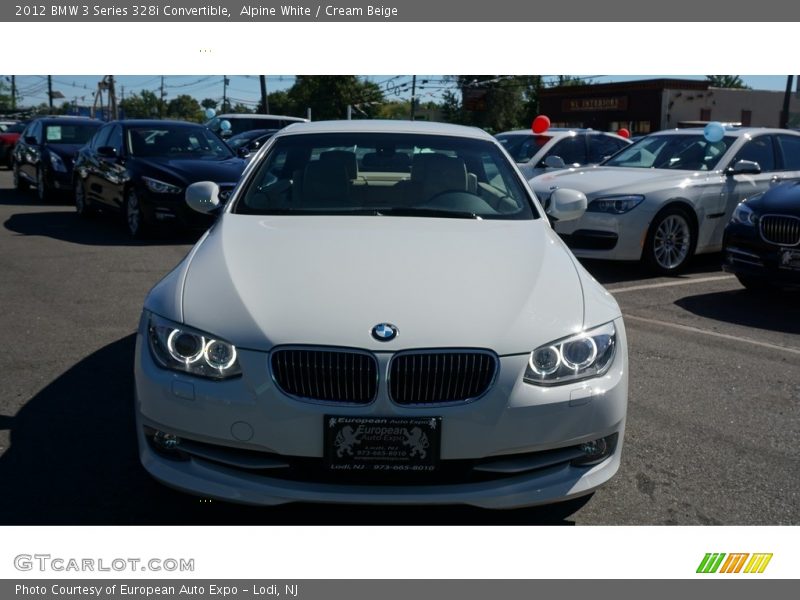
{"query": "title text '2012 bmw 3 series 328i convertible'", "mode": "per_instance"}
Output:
(381, 314)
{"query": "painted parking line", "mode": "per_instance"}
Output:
(651, 286)
(716, 334)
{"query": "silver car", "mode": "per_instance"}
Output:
(669, 195)
(559, 148)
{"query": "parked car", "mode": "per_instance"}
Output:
(8, 139)
(141, 169)
(44, 154)
(559, 148)
(240, 122)
(248, 142)
(670, 195)
(761, 245)
(349, 333)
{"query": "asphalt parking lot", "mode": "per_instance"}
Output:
(713, 420)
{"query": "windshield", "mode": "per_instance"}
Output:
(70, 134)
(687, 152)
(522, 148)
(179, 141)
(386, 174)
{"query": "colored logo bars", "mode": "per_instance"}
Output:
(713, 563)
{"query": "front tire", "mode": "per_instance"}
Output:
(19, 183)
(670, 241)
(135, 220)
(83, 205)
(42, 191)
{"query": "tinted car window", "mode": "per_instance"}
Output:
(572, 150)
(758, 150)
(69, 133)
(602, 146)
(175, 141)
(790, 149)
(101, 137)
(331, 174)
(688, 152)
(115, 139)
(523, 147)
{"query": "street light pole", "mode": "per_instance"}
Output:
(786, 97)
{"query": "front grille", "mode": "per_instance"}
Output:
(437, 377)
(346, 376)
(782, 230)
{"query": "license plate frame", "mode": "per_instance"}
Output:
(789, 259)
(382, 444)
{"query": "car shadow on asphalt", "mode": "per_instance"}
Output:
(73, 460)
(608, 272)
(99, 230)
(775, 310)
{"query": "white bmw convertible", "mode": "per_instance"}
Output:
(381, 314)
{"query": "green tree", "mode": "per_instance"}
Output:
(240, 108)
(329, 95)
(727, 81)
(144, 105)
(279, 104)
(5, 97)
(209, 103)
(451, 108)
(492, 102)
(185, 108)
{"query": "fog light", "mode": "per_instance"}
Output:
(596, 451)
(166, 441)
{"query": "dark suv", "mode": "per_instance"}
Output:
(45, 152)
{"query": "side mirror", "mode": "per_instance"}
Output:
(107, 152)
(567, 205)
(243, 151)
(203, 197)
(744, 167)
(30, 139)
(554, 162)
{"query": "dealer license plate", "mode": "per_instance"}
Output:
(790, 259)
(387, 444)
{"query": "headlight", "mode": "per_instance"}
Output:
(588, 354)
(616, 205)
(743, 215)
(160, 187)
(182, 348)
(57, 163)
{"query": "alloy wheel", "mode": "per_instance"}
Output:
(672, 242)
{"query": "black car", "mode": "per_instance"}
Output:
(248, 142)
(141, 169)
(761, 244)
(44, 154)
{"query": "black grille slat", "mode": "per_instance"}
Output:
(328, 375)
(440, 377)
(782, 230)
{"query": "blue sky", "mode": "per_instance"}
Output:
(245, 88)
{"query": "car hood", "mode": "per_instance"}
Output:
(264, 281)
(189, 170)
(600, 181)
(65, 150)
(782, 199)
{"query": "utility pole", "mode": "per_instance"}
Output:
(224, 93)
(161, 103)
(13, 92)
(413, 96)
(264, 97)
(786, 97)
(50, 91)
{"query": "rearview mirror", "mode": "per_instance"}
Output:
(567, 205)
(203, 197)
(554, 162)
(744, 167)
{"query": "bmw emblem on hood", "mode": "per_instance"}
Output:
(384, 332)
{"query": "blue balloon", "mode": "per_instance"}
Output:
(210, 112)
(225, 125)
(714, 132)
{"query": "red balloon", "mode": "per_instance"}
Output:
(624, 133)
(540, 124)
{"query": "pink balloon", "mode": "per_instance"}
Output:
(540, 124)
(624, 133)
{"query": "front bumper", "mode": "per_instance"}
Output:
(249, 415)
(745, 253)
(606, 236)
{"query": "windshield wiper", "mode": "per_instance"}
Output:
(411, 211)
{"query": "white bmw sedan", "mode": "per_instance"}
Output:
(381, 314)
